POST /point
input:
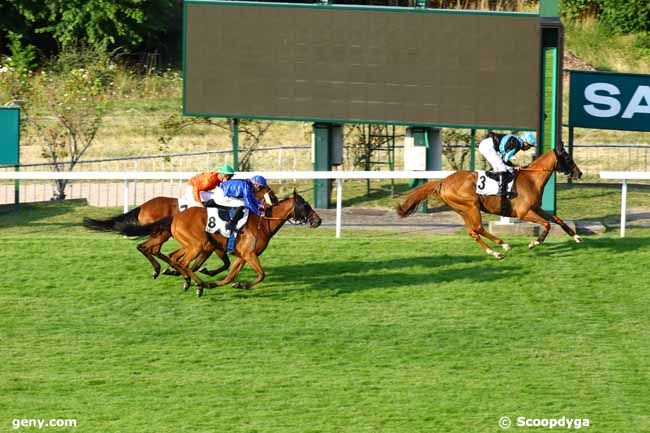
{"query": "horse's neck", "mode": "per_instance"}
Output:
(545, 165)
(280, 214)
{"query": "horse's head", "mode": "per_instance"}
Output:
(566, 164)
(303, 213)
(266, 193)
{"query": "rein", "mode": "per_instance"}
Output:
(533, 169)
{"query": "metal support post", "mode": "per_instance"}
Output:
(472, 150)
(235, 144)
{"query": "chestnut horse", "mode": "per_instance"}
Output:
(458, 190)
(188, 229)
(154, 210)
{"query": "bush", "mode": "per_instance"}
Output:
(626, 16)
(618, 16)
(575, 10)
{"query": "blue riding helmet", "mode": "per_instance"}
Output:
(259, 180)
(529, 138)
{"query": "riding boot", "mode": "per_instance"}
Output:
(503, 184)
(505, 177)
(232, 224)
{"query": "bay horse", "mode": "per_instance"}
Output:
(154, 210)
(188, 229)
(458, 190)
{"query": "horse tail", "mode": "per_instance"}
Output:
(130, 228)
(417, 196)
(109, 225)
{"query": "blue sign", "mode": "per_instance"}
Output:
(604, 100)
(9, 135)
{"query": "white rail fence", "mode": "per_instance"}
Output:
(624, 176)
(129, 180)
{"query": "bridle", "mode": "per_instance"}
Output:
(292, 220)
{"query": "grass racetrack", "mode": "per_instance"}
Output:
(375, 332)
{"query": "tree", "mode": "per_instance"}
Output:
(252, 132)
(72, 91)
(101, 24)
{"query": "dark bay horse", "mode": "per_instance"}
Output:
(154, 210)
(458, 190)
(188, 228)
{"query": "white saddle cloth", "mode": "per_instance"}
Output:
(217, 225)
(485, 185)
(185, 203)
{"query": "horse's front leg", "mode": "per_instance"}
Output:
(536, 218)
(236, 268)
(557, 220)
(254, 263)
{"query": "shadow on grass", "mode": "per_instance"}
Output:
(615, 245)
(35, 214)
(350, 276)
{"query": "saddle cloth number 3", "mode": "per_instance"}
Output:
(485, 185)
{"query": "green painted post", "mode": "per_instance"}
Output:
(550, 129)
(10, 144)
(321, 159)
(235, 144)
(548, 139)
(549, 8)
(472, 150)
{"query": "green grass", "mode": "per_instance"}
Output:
(373, 332)
(605, 51)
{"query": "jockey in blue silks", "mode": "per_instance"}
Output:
(243, 189)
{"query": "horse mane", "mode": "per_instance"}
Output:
(540, 160)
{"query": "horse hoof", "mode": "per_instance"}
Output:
(577, 238)
(238, 285)
(199, 292)
(171, 272)
(155, 274)
(186, 286)
(533, 244)
(506, 247)
(496, 255)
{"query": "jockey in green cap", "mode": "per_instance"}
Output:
(198, 186)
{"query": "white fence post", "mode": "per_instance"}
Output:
(339, 205)
(624, 176)
(126, 195)
(623, 206)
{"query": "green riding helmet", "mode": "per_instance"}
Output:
(226, 169)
